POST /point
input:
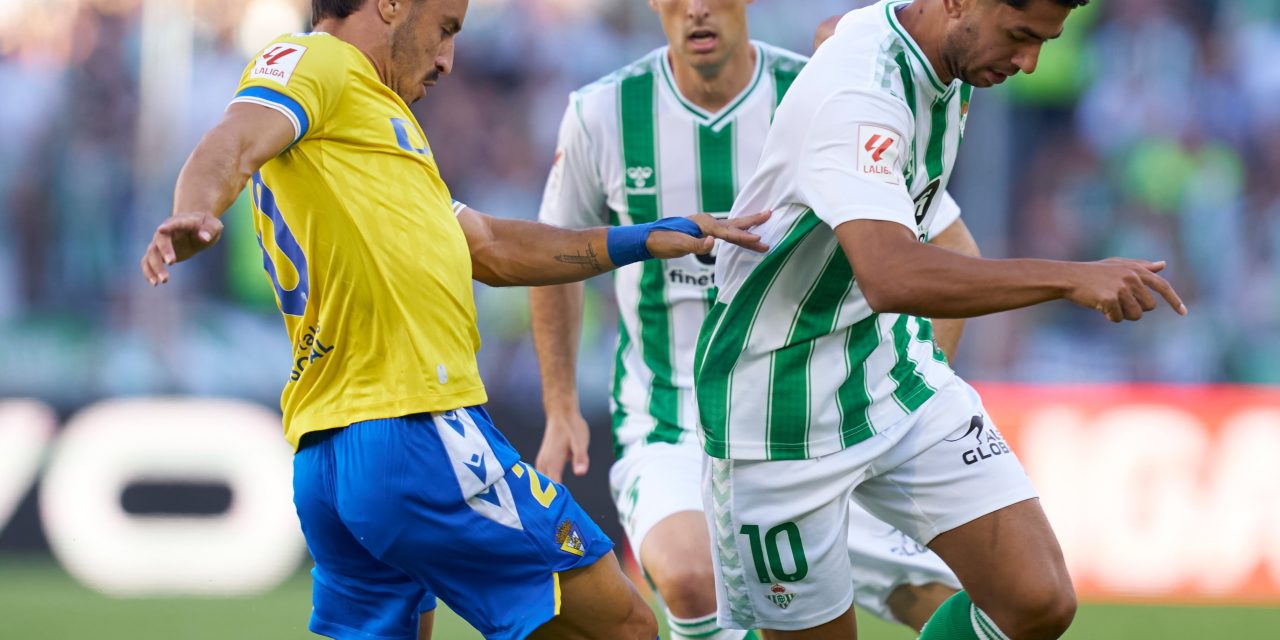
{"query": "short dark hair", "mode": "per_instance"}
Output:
(324, 9)
(1022, 4)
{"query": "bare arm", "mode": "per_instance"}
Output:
(898, 274)
(557, 327)
(826, 29)
(947, 332)
(245, 139)
(507, 252)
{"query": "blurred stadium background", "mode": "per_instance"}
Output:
(143, 482)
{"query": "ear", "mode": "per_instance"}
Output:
(387, 9)
(956, 8)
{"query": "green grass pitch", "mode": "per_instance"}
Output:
(38, 601)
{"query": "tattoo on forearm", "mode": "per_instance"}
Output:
(589, 260)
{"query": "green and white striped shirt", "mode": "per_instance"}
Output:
(792, 362)
(633, 150)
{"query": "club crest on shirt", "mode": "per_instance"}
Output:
(778, 595)
(878, 149)
(278, 62)
(569, 537)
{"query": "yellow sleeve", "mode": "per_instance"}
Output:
(302, 77)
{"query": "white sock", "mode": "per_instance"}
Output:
(705, 628)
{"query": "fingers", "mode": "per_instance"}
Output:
(1156, 267)
(731, 233)
(673, 244)
(1143, 295)
(753, 220)
(1129, 307)
(153, 265)
(163, 241)
(581, 461)
(1162, 287)
(550, 462)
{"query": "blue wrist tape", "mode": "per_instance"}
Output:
(627, 244)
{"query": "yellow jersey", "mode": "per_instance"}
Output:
(359, 238)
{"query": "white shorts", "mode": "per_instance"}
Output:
(781, 527)
(884, 558)
(654, 482)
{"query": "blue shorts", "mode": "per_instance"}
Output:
(399, 511)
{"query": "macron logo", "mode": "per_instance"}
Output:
(278, 63)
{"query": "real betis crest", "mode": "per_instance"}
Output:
(779, 596)
(964, 115)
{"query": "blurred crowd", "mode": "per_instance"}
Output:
(1152, 130)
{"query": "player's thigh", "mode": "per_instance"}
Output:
(598, 601)
(779, 532)
(892, 571)
(958, 487)
(351, 589)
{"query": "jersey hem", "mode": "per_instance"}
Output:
(302, 425)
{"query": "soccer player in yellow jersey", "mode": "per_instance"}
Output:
(405, 490)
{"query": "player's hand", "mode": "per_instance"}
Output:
(1121, 289)
(673, 244)
(565, 439)
(177, 239)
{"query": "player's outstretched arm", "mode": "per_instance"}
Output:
(507, 252)
(948, 331)
(898, 274)
(247, 137)
(557, 326)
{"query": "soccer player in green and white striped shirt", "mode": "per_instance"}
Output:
(818, 377)
(680, 130)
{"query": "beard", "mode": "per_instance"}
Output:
(406, 53)
(957, 49)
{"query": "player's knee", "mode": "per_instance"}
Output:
(688, 589)
(1043, 612)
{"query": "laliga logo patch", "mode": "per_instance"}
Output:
(278, 63)
(779, 596)
(878, 153)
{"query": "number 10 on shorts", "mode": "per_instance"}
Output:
(769, 546)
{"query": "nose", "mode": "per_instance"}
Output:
(1028, 58)
(444, 61)
(699, 9)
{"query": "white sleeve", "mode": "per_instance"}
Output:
(851, 162)
(948, 213)
(574, 196)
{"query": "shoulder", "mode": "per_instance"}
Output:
(864, 57)
(779, 60)
(311, 54)
(597, 103)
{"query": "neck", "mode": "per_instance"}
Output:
(925, 22)
(365, 35)
(712, 89)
